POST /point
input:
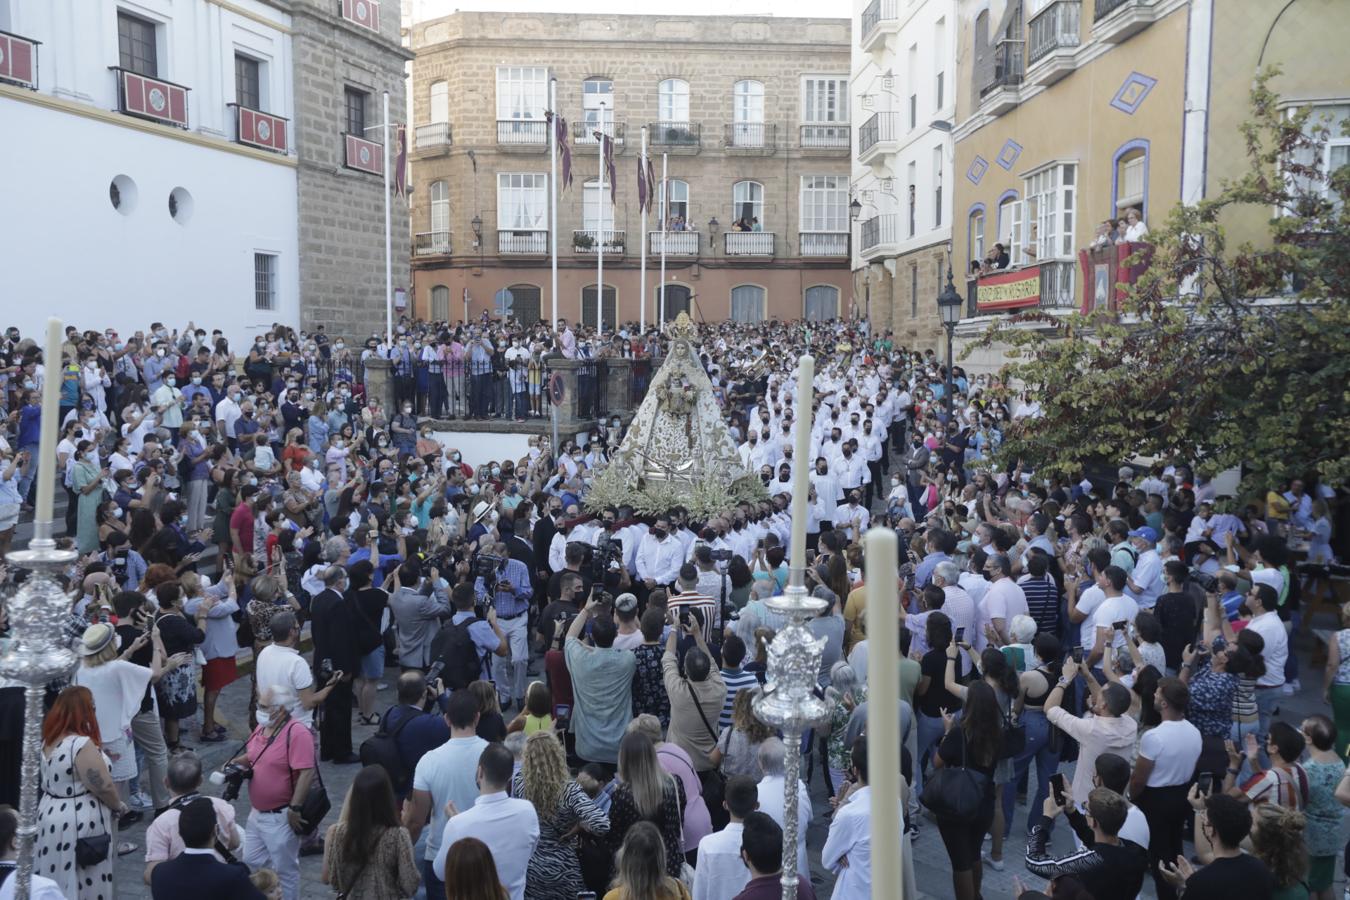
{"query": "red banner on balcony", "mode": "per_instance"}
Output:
(151, 98)
(1009, 290)
(1106, 274)
(260, 129)
(18, 60)
(367, 156)
(365, 13)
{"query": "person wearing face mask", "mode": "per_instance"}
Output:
(334, 630)
(156, 366)
(403, 429)
(228, 412)
(916, 465)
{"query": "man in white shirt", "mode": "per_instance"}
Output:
(772, 798)
(848, 846)
(659, 556)
(1162, 773)
(280, 665)
(1145, 582)
(1116, 606)
(228, 412)
(1004, 599)
(508, 826)
(956, 604)
(852, 516)
(1267, 623)
(721, 874)
(1083, 603)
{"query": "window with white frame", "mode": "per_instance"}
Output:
(747, 202)
(747, 303)
(594, 93)
(596, 210)
(1335, 155)
(939, 62)
(824, 203)
(440, 101)
(522, 201)
(747, 114)
(824, 99)
(1047, 208)
(976, 231)
(522, 92)
(1130, 171)
(440, 207)
(820, 303)
(264, 281)
(678, 205)
(672, 101)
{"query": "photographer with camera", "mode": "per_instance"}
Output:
(417, 604)
(162, 841)
(508, 583)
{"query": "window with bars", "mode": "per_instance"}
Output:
(824, 203)
(521, 302)
(355, 101)
(137, 47)
(747, 303)
(824, 99)
(264, 281)
(247, 81)
(588, 310)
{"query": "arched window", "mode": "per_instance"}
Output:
(747, 202)
(1130, 178)
(975, 234)
(1009, 221)
(747, 303)
(821, 303)
(440, 101)
(671, 300)
(588, 311)
(679, 201)
(440, 208)
(672, 101)
(747, 129)
(520, 302)
(440, 303)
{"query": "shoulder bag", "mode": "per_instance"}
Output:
(316, 803)
(712, 782)
(955, 793)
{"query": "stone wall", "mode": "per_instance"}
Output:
(342, 276)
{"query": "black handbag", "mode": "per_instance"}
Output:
(317, 804)
(956, 794)
(1014, 739)
(92, 850)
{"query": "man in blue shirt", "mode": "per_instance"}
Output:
(937, 542)
(418, 730)
(511, 594)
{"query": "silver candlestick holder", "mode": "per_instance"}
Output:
(789, 702)
(36, 654)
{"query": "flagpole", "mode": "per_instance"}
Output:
(600, 235)
(665, 218)
(388, 239)
(553, 206)
(642, 264)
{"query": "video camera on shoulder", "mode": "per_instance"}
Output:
(607, 557)
(723, 555)
(486, 566)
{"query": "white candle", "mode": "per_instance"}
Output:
(883, 713)
(51, 409)
(801, 466)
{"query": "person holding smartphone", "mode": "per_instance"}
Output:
(1109, 867)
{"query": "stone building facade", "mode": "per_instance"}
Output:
(340, 61)
(751, 113)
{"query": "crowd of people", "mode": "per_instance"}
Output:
(574, 699)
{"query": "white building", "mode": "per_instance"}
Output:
(148, 171)
(903, 93)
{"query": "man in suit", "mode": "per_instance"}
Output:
(514, 530)
(916, 464)
(334, 630)
(198, 872)
(544, 530)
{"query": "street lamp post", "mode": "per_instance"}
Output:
(949, 306)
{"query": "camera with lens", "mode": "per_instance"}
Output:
(608, 554)
(1207, 583)
(485, 566)
(723, 555)
(234, 777)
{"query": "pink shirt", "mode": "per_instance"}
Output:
(697, 819)
(162, 840)
(276, 770)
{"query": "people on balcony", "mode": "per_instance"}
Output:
(1135, 229)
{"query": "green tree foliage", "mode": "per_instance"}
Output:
(1230, 356)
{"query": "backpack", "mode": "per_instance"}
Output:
(381, 749)
(454, 649)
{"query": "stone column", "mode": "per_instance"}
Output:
(618, 389)
(380, 383)
(568, 420)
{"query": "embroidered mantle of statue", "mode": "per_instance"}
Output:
(677, 450)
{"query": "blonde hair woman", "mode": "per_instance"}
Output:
(641, 861)
(564, 809)
(646, 794)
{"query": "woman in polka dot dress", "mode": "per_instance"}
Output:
(79, 798)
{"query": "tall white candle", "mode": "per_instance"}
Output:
(51, 409)
(801, 466)
(883, 713)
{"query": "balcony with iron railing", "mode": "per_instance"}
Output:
(878, 19)
(583, 134)
(823, 244)
(675, 243)
(1048, 284)
(749, 243)
(1052, 29)
(584, 241)
(431, 243)
(877, 134)
(674, 135)
(1000, 94)
(1057, 281)
(824, 137)
(19, 64)
(531, 133)
(753, 136)
(1115, 21)
(878, 231)
(434, 136)
(522, 242)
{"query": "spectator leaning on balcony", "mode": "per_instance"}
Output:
(1135, 229)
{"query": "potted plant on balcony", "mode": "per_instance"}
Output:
(583, 241)
(614, 245)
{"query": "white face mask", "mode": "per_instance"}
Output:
(263, 716)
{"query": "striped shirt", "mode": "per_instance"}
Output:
(736, 679)
(1042, 601)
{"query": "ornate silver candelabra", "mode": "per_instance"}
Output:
(37, 655)
(789, 703)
